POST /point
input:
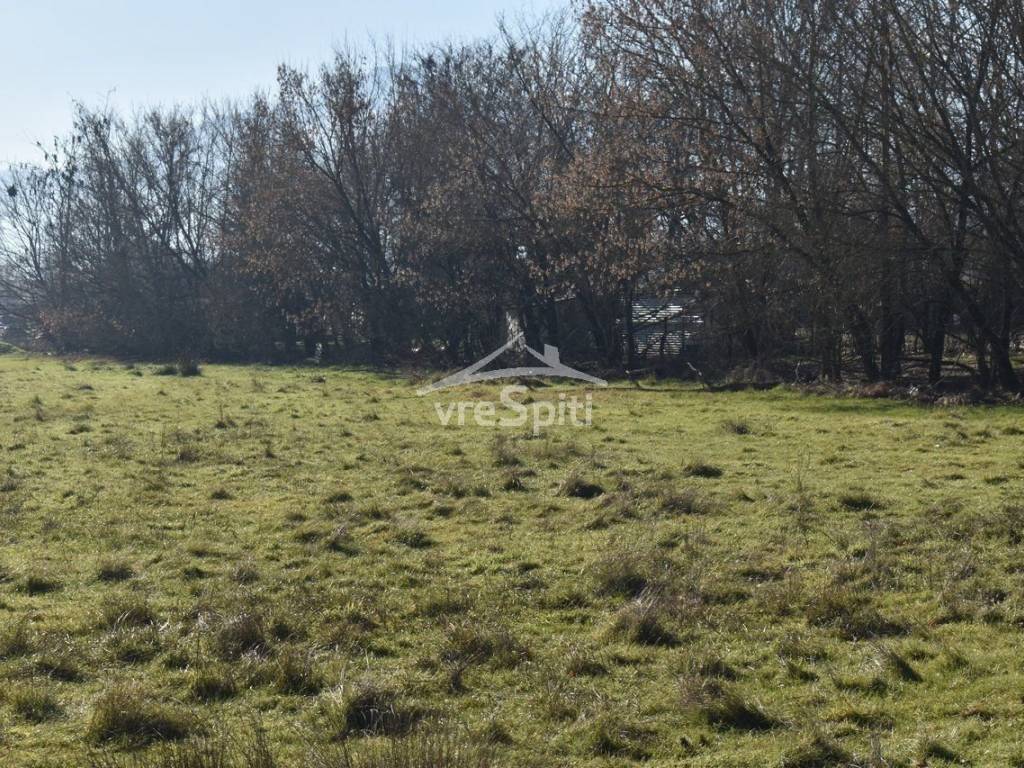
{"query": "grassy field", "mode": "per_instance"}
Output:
(738, 579)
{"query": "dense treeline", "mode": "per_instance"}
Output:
(836, 182)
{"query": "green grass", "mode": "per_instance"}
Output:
(732, 579)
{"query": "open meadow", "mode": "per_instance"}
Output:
(697, 579)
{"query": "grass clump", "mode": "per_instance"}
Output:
(16, 639)
(241, 633)
(851, 614)
(296, 674)
(213, 683)
(577, 485)
(682, 501)
(369, 707)
(612, 736)
(127, 610)
(736, 426)
(819, 751)
(413, 538)
(125, 714)
(626, 571)
(702, 469)
(219, 750)
(33, 703)
(477, 641)
(860, 501)
(38, 583)
(423, 749)
(113, 570)
(729, 709)
(642, 621)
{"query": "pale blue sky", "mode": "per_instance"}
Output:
(134, 54)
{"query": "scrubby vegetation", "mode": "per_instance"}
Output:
(243, 568)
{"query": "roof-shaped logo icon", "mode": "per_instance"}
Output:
(551, 366)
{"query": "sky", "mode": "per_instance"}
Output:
(137, 54)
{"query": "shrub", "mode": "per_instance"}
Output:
(126, 714)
